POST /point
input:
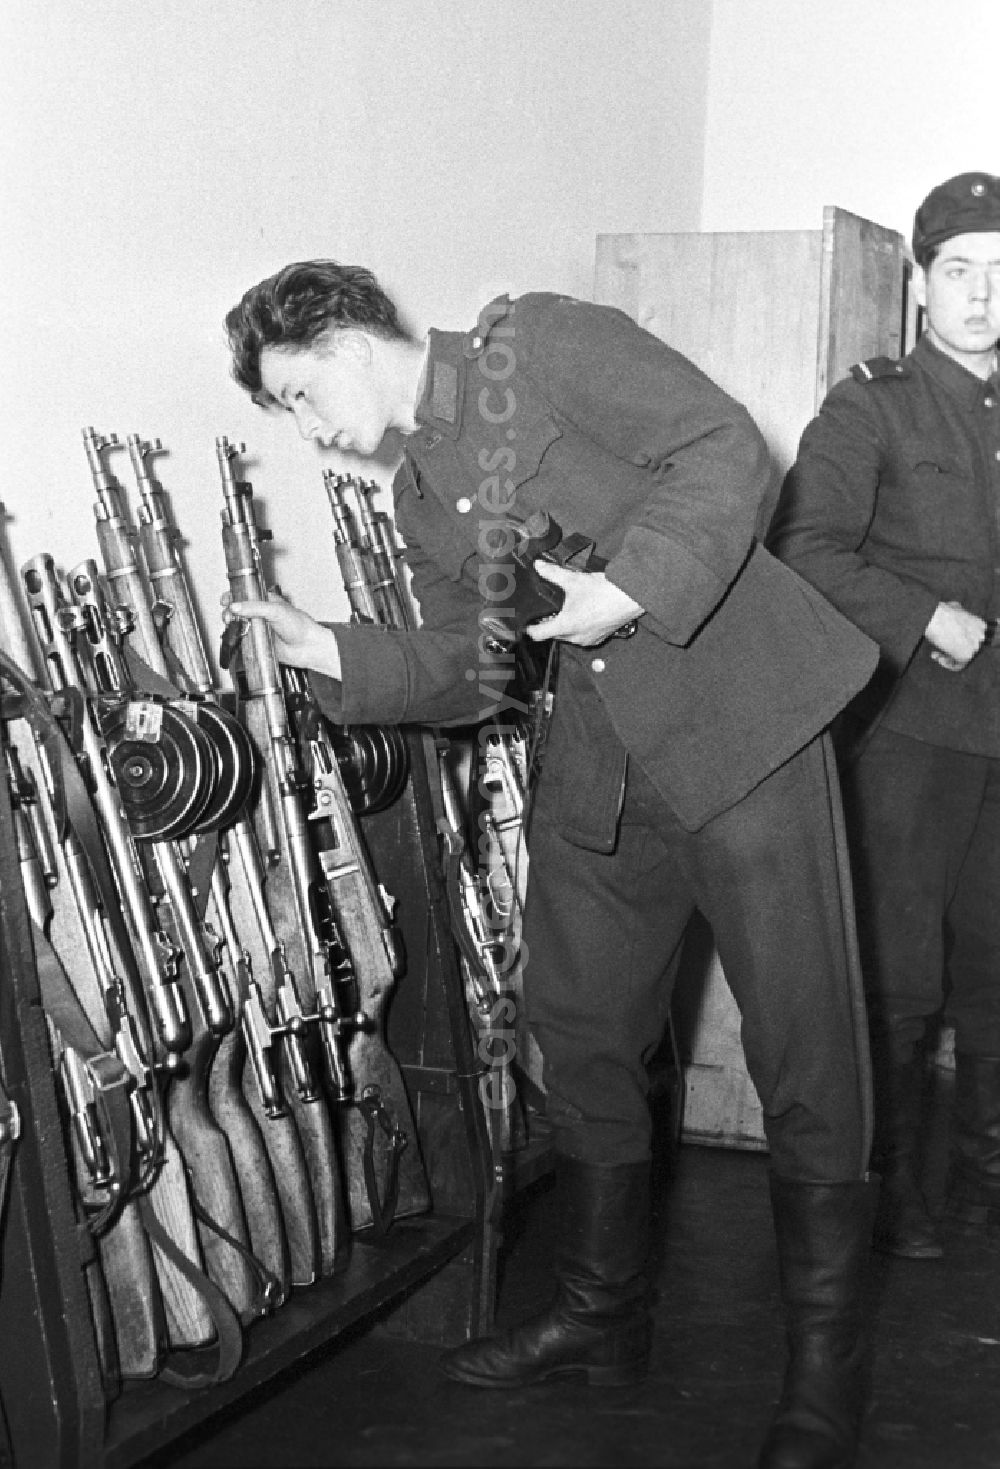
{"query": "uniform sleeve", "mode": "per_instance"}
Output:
(823, 519)
(709, 468)
(437, 674)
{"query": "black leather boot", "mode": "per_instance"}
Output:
(823, 1232)
(974, 1184)
(903, 1225)
(598, 1325)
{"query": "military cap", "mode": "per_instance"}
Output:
(967, 204)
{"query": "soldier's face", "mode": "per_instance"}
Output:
(331, 389)
(960, 292)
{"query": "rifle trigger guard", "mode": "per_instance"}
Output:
(377, 1114)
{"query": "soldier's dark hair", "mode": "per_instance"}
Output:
(297, 306)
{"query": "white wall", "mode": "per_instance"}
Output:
(159, 156)
(865, 104)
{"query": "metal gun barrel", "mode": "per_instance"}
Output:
(159, 539)
(116, 537)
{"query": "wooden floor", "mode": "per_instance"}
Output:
(375, 1401)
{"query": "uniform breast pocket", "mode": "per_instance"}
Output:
(932, 460)
(506, 460)
(939, 493)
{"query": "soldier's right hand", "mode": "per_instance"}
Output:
(955, 635)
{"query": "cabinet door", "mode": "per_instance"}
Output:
(744, 307)
(863, 296)
(774, 317)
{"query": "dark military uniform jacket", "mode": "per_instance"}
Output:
(892, 507)
(557, 404)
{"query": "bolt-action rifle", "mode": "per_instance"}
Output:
(297, 896)
(367, 556)
(385, 1173)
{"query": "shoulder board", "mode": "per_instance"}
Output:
(878, 367)
(474, 342)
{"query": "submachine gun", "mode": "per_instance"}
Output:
(331, 905)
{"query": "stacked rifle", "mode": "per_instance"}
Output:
(482, 835)
(214, 951)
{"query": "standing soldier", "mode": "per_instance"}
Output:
(892, 510)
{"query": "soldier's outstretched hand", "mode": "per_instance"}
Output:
(298, 639)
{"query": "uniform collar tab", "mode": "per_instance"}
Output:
(444, 390)
(448, 357)
(440, 405)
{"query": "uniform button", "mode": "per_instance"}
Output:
(597, 664)
(990, 402)
(464, 505)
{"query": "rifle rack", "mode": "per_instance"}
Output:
(432, 1276)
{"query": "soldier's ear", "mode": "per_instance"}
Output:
(918, 284)
(353, 344)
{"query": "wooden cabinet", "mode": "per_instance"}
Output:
(776, 318)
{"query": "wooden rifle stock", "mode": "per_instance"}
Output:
(294, 1102)
(271, 1165)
